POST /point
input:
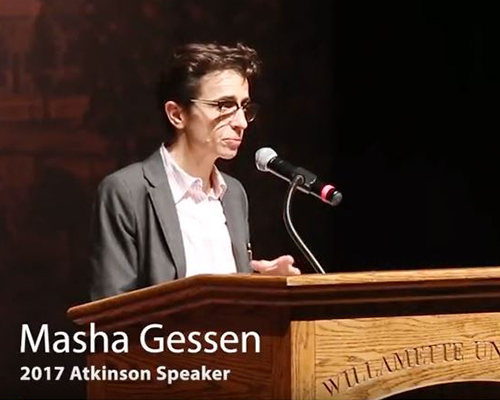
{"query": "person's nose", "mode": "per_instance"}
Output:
(239, 120)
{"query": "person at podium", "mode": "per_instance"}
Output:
(175, 214)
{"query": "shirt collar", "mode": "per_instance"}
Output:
(182, 184)
(219, 186)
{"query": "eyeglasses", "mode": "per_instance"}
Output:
(230, 107)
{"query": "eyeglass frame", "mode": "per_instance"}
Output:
(219, 105)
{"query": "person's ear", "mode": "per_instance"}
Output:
(175, 114)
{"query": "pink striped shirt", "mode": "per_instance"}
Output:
(207, 244)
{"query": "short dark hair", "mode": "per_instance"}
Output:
(190, 62)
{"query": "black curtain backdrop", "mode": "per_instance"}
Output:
(417, 93)
(394, 102)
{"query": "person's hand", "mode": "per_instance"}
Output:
(280, 266)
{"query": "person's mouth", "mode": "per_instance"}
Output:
(232, 143)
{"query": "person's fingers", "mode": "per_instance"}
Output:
(294, 271)
(264, 263)
(264, 266)
(285, 260)
(282, 265)
(286, 267)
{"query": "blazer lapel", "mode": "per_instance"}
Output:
(234, 220)
(164, 206)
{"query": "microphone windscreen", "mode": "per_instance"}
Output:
(262, 158)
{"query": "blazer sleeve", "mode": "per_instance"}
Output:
(113, 240)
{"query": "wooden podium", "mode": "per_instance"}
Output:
(363, 335)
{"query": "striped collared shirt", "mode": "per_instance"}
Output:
(207, 244)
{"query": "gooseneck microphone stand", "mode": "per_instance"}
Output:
(294, 183)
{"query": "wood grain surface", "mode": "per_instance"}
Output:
(363, 335)
(303, 359)
(371, 358)
(427, 276)
(252, 375)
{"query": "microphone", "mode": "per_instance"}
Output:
(267, 160)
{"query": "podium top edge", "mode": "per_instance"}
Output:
(272, 290)
(385, 276)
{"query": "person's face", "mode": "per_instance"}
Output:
(208, 129)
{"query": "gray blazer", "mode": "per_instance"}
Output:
(136, 237)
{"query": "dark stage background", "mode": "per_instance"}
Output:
(395, 102)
